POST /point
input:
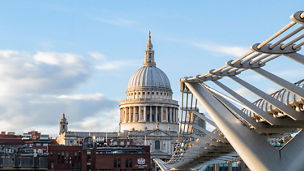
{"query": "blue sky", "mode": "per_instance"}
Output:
(76, 56)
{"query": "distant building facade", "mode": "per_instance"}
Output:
(24, 152)
(100, 156)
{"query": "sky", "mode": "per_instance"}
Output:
(76, 57)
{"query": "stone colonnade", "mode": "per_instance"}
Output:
(148, 114)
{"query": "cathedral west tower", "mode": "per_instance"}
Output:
(149, 104)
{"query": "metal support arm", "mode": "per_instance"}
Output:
(253, 148)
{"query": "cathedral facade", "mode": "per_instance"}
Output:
(148, 115)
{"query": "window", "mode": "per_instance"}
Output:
(38, 145)
(130, 163)
(118, 162)
(157, 145)
(52, 164)
(115, 163)
(44, 145)
(89, 159)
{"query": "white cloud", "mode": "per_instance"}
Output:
(109, 121)
(36, 88)
(22, 72)
(235, 51)
(104, 64)
(97, 55)
(8, 53)
(96, 96)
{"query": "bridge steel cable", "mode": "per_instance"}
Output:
(241, 127)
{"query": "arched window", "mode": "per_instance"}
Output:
(157, 145)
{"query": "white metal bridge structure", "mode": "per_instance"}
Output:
(242, 127)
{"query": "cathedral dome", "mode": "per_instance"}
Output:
(149, 77)
(149, 104)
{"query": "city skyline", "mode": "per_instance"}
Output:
(76, 57)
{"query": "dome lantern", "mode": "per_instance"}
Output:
(149, 76)
(149, 53)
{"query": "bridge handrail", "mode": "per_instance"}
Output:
(257, 55)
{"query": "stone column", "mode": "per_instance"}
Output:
(133, 114)
(136, 113)
(127, 114)
(166, 114)
(156, 113)
(123, 115)
(139, 114)
(130, 114)
(174, 115)
(177, 114)
(150, 113)
(161, 114)
(174, 111)
(172, 120)
(170, 113)
(145, 113)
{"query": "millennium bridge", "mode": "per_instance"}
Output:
(242, 128)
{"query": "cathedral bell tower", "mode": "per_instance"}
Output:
(63, 125)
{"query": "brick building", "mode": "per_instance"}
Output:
(123, 158)
(99, 156)
(24, 152)
(64, 157)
